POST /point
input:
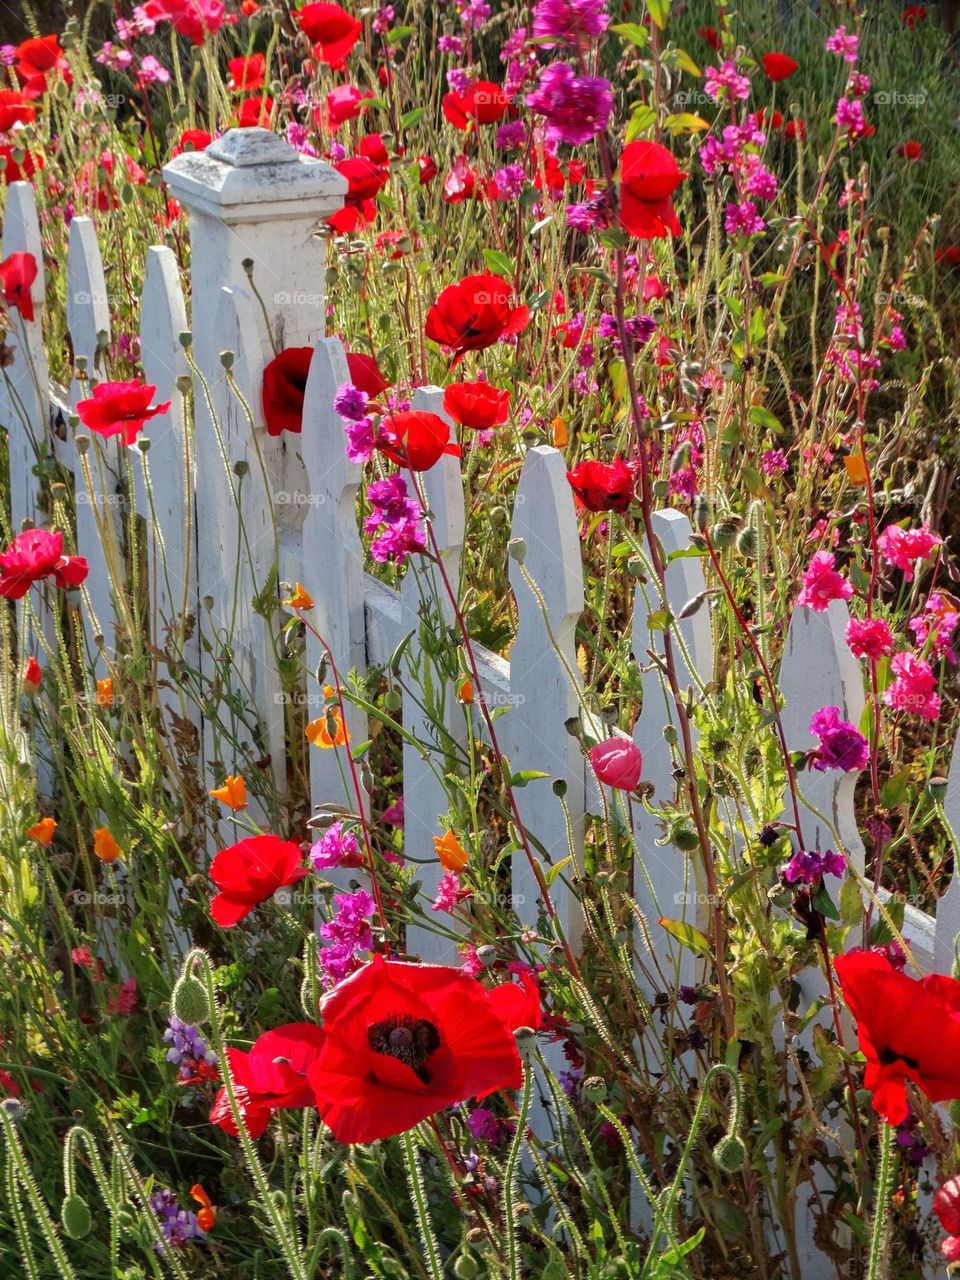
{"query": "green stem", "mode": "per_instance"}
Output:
(510, 1171)
(421, 1208)
(883, 1196)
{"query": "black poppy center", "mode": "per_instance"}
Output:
(409, 1040)
(889, 1056)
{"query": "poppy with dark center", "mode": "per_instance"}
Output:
(17, 274)
(120, 409)
(604, 486)
(474, 314)
(477, 405)
(908, 1030)
(778, 66)
(649, 175)
(332, 31)
(271, 1077)
(416, 439)
(284, 384)
(404, 1041)
(249, 872)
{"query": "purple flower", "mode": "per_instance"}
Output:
(189, 1052)
(774, 462)
(742, 219)
(810, 868)
(361, 440)
(348, 932)
(576, 108)
(569, 21)
(850, 116)
(487, 1127)
(511, 136)
(450, 44)
(842, 746)
(350, 402)
(333, 847)
(510, 181)
(179, 1226)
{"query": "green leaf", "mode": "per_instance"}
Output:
(398, 34)
(633, 32)
(673, 1256)
(686, 935)
(554, 871)
(683, 60)
(659, 620)
(686, 122)
(641, 121)
(498, 263)
(523, 776)
(659, 11)
(894, 790)
(411, 117)
(761, 417)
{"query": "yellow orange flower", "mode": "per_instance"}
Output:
(465, 693)
(105, 693)
(233, 793)
(856, 468)
(452, 855)
(104, 845)
(300, 599)
(42, 831)
(207, 1216)
(328, 730)
(559, 433)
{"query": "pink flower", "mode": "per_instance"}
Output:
(125, 1001)
(617, 762)
(822, 583)
(449, 893)
(902, 547)
(913, 690)
(936, 624)
(869, 638)
(842, 745)
(843, 45)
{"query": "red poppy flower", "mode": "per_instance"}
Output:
(119, 409)
(604, 486)
(32, 675)
(709, 36)
(192, 140)
(416, 439)
(331, 30)
(18, 170)
(247, 74)
(271, 1077)
(913, 14)
(372, 147)
(649, 175)
(483, 103)
(796, 128)
(17, 274)
(193, 19)
(249, 872)
(778, 66)
(36, 58)
(14, 109)
(950, 255)
(461, 184)
(364, 180)
(365, 374)
(404, 1041)
(284, 384)
(908, 1030)
(474, 314)
(255, 112)
(910, 150)
(32, 556)
(343, 104)
(428, 169)
(477, 405)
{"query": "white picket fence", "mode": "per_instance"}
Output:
(251, 197)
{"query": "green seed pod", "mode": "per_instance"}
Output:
(189, 1001)
(937, 788)
(75, 1217)
(517, 550)
(227, 359)
(393, 700)
(724, 532)
(594, 1089)
(466, 1267)
(729, 1154)
(526, 1039)
(748, 544)
(684, 836)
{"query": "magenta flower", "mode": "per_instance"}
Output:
(914, 689)
(810, 868)
(843, 45)
(576, 108)
(449, 893)
(726, 82)
(569, 21)
(936, 624)
(869, 638)
(822, 583)
(903, 547)
(842, 745)
(617, 762)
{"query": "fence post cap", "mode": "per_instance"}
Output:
(253, 175)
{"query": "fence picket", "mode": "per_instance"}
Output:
(423, 595)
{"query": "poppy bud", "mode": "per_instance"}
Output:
(75, 1216)
(466, 1268)
(724, 532)
(684, 836)
(526, 1039)
(392, 700)
(748, 543)
(487, 955)
(189, 1001)
(594, 1089)
(729, 1154)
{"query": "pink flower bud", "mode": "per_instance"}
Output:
(617, 763)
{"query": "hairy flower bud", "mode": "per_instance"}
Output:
(75, 1216)
(729, 1154)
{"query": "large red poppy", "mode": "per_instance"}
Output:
(193, 19)
(255, 112)
(332, 31)
(247, 74)
(908, 1030)
(404, 1041)
(483, 103)
(478, 405)
(18, 170)
(364, 180)
(17, 274)
(192, 140)
(120, 409)
(249, 872)
(14, 109)
(649, 175)
(284, 384)
(365, 374)
(415, 439)
(604, 486)
(778, 66)
(271, 1077)
(33, 555)
(474, 314)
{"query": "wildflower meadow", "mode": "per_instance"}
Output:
(479, 616)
